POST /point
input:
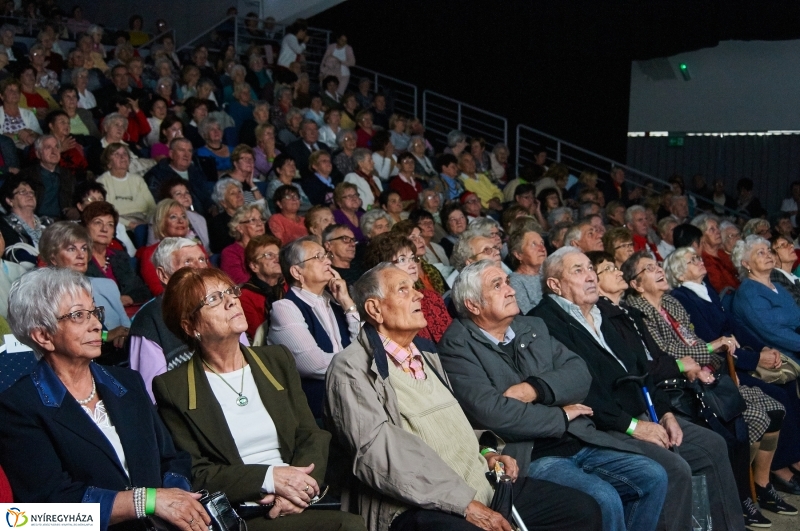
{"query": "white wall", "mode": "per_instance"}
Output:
(735, 86)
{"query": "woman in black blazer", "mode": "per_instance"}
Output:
(74, 431)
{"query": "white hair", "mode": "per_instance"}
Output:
(162, 257)
(469, 286)
(369, 287)
(553, 266)
(744, 250)
(675, 265)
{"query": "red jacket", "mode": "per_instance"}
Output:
(721, 273)
(640, 243)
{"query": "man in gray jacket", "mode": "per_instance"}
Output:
(512, 378)
(418, 461)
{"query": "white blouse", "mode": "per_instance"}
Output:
(103, 421)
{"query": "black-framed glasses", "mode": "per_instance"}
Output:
(83, 316)
(405, 259)
(650, 268)
(320, 257)
(215, 298)
(626, 245)
(345, 239)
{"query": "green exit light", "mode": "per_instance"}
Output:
(683, 66)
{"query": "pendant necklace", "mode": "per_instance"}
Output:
(242, 400)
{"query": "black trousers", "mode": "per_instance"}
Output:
(543, 506)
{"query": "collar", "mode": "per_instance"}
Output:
(52, 391)
(698, 289)
(370, 339)
(508, 337)
(572, 309)
(327, 180)
(792, 278)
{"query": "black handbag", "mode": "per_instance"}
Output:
(721, 397)
(222, 514)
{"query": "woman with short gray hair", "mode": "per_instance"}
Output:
(211, 131)
(528, 253)
(375, 222)
(757, 226)
(765, 308)
(104, 409)
(347, 140)
(291, 130)
(248, 222)
(369, 186)
(456, 143)
(721, 271)
(228, 194)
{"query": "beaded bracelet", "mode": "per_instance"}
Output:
(139, 502)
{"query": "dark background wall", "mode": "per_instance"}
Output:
(561, 67)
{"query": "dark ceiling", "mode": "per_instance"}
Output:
(559, 66)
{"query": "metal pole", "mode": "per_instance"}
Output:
(236, 35)
(558, 151)
(459, 116)
(518, 147)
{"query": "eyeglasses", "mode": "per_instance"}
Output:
(268, 256)
(292, 197)
(781, 247)
(83, 316)
(488, 250)
(253, 221)
(611, 269)
(346, 239)
(320, 257)
(628, 245)
(24, 192)
(215, 298)
(650, 268)
(696, 260)
(405, 259)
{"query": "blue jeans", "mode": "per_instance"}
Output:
(630, 488)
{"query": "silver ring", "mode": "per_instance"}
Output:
(191, 521)
(307, 487)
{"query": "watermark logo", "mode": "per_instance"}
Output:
(15, 517)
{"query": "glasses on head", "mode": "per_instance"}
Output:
(253, 221)
(626, 245)
(83, 316)
(268, 256)
(346, 239)
(403, 259)
(320, 257)
(609, 269)
(650, 268)
(215, 298)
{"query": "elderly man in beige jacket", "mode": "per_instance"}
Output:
(419, 462)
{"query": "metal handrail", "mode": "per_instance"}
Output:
(584, 164)
(473, 123)
(155, 39)
(188, 44)
(408, 102)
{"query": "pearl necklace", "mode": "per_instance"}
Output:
(91, 396)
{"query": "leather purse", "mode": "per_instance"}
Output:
(696, 400)
(788, 371)
(222, 514)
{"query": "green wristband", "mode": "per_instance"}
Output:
(632, 426)
(104, 336)
(680, 366)
(488, 451)
(710, 348)
(150, 502)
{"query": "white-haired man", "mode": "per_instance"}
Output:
(511, 377)
(474, 245)
(413, 449)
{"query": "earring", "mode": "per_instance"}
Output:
(197, 336)
(749, 272)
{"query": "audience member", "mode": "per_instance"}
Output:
(584, 236)
(246, 223)
(721, 271)
(266, 284)
(127, 191)
(287, 224)
(528, 253)
(320, 186)
(340, 242)
(318, 218)
(367, 184)
(374, 223)
(300, 150)
(618, 243)
(52, 183)
(348, 212)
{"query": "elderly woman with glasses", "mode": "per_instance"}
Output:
(91, 428)
(343, 161)
(670, 325)
(434, 253)
(368, 185)
(169, 220)
(454, 221)
(375, 222)
(240, 412)
(618, 242)
(210, 130)
(228, 196)
(316, 318)
(785, 257)
(22, 225)
(400, 250)
(406, 183)
(429, 276)
(765, 308)
(528, 253)
(266, 284)
(721, 272)
(243, 171)
(685, 273)
(348, 211)
(115, 129)
(246, 223)
(287, 225)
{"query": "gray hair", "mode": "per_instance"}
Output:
(293, 254)
(676, 198)
(307, 121)
(425, 193)
(553, 266)
(743, 250)
(39, 143)
(35, 298)
(500, 147)
(454, 137)
(327, 233)
(162, 257)
(340, 136)
(260, 103)
(369, 287)
(165, 81)
(483, 225)
(664, 223)
(752, 226)
(702, 221)
(556, 214)
(575, 233)
(469, 286)
(370, 217)
(633, 210)
(77, 72)
(36, 48)
(59, 235)
(462, 251)
(280, 91)
(291, 113)
(360, 155)
(237, 68)
(241, 213)
(218, 195)
(675, 265)
(114, 117)
(725, 225)
(205, 126)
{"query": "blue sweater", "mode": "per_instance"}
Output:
(772, 317)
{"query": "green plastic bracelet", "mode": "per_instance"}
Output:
(488, 451)
(150, 502)
(680, 366)
(632, 427)
(104, 336)
(710, 348)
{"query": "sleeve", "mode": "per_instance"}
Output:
(233, 264)
(147, 358)
(485, 405)
(523, 301)
(276, 227)
(148, 202)
(43, 479)
(351, 58)
(294, 44)
(383, 165)
(129, 282)
(288, 327)
(669, 342)
(386, 457)
(760, 315)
